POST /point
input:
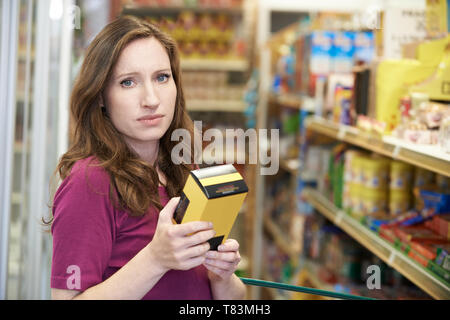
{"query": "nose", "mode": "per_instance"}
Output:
(150, 96)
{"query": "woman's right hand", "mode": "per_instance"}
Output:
(179, 246)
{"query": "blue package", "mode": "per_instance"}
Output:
(364, 43)
(437, 201)
(343, 51)
(321, 52)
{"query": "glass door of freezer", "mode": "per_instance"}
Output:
(41, 40)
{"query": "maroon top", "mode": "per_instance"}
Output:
(92, 239)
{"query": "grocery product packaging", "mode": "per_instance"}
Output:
(213, 194)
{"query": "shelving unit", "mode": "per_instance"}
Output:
(426, 157)
(416, 273)
(214, 65)
(293, 101)
(215, 105)
(280, 239)
(143, 10)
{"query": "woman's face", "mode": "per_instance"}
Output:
(141, 93)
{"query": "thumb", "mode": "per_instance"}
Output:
(166, 213)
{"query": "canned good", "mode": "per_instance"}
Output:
(443, 182)
(373, 201)
(399, 202)
(351, 202)
(423, 177)
(375, 173)
(401, 176)
(357, 169)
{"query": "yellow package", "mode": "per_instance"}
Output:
(213, 194)
(374, 201)
(401, 176)
(436, 18)
(375, 173)
(399, 202)
(394, 79)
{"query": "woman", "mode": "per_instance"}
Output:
(113, 236)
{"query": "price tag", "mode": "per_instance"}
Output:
(339, 216)
(396, 151)
(341, 133)
(391, 257)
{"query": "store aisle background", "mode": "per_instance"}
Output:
(232, 52)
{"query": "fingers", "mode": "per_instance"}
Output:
(224, 261)
(193, 262)
(218, 271)
(224, 256)
(199, 237)
(229, 245)
(196, 251)
(166, 213)
(191, 227)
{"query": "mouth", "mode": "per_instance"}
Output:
(150, 117)
(151, 120)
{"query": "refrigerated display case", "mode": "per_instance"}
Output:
(35, 81)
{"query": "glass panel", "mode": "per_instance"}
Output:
(39, 85)
(24, 62)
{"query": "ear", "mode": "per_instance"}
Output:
(101, 101)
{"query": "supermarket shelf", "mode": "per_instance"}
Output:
(293, 101)
(280, 239)
(290, 165)
(416, 273)
(214, 64)
(216, 105)
(424, 156)
(143, 10)
(311, 270)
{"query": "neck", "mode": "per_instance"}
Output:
(147, 151)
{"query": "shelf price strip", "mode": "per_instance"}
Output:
(391, 258)
(339, 216)
(341, 133)
(396, 151)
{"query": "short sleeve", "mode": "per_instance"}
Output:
(83, 228)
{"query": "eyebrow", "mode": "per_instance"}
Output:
(135, 73)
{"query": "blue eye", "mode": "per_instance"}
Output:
(162, 77)
(127, 83)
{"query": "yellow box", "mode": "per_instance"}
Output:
(213, 194)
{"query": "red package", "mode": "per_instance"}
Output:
(441, 225)
(387, 233)
(408, 234)
(428, 248)
(418, 257)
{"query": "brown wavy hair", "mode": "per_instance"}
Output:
(134, 182)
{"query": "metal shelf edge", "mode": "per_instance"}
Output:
(355, 137)
(393, 257)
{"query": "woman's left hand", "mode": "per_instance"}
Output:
(223, 263)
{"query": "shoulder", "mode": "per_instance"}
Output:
(89, 168)
(86, 177)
